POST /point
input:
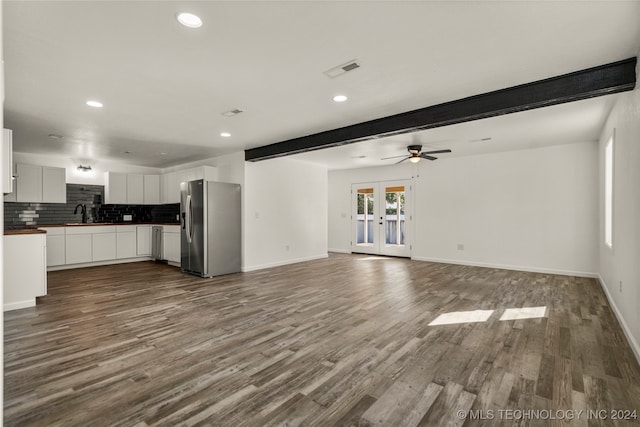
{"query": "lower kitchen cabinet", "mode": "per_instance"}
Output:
(126, 241)
(143, 241)
(78, 248)
(55, 246)
(103, 246)
(171, 243)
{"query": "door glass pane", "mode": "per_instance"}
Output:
(394, 211)
(364, 229)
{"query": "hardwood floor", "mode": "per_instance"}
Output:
(349, 340)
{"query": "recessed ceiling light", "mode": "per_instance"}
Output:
(189, 20)
(225, 134)
(94, 104)
(340, 98)
(55, 136)
(162, 153)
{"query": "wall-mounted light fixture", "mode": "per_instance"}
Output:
(84, 168)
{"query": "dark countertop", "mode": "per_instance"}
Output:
(33, 229)
(23, 231)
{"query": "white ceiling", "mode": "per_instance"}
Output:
(165, 86)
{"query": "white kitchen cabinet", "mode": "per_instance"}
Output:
(29, 183)
(135, 189)
(115, 188)
(143, 240)
(103, 246)
(54, 187)
(171, 181)
(170, 188)
(171, 243)
(55, 246)
(7, 161)
(126, 241)
(25, 271)
(151, 189)
(77, 248)
(38, 184)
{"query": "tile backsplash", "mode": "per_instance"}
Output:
(21, 214)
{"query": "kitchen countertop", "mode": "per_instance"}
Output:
(35, 229)
(23, 231)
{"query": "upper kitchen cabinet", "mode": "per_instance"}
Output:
(135, 189)
(54, 187)
(7, 161)
(115, 188)
(171, 181)
(132, 189)
(151, 189)
(40, 184)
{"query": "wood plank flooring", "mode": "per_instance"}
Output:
(352, 340)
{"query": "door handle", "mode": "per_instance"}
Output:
(184, 222)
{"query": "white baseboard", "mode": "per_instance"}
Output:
(285, 262)
(19, 304)
(625, 328)
(97, 263)
(510, 267)
(339, 251)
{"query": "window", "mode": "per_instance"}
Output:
(608, 193)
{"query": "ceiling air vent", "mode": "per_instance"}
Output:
(232, 113)
(342, 69)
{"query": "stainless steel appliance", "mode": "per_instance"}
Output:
(156, 242)
(210, 242)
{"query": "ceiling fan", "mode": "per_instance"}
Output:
(415, 154)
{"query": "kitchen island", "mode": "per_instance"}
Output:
(25, 268)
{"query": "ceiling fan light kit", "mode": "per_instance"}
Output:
(415, 154)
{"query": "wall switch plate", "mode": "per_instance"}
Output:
(127, 217)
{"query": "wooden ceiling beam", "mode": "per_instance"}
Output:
(597, 81)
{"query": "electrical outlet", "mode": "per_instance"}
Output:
(286, 248)
(460, 247)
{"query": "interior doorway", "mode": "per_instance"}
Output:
(380, 218)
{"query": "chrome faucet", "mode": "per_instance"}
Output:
(83, 211)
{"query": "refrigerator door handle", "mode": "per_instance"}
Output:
(187, 221)
(184, 222)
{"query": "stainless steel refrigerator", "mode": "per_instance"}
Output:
(210, 242)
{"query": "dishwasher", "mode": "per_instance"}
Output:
(156, 243)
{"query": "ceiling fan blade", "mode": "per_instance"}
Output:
(437, 151)
(425, 156)
(402, 160)
(394, 157)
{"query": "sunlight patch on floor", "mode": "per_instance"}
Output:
(524, 313)
(462, 317)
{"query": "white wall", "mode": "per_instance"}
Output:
(531, 209)
(285, 212)
(74, 176)
(622, 264)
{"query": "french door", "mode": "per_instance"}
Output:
(381, 220)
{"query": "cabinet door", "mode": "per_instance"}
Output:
(55, 250)
(103, 246)
(54, 186)
(143, 240)
(78, 248)
(135, 189)
(115, 188)
(171, 246)
(151, 189)
(126, 245)
(171, 188)
(29, 183)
